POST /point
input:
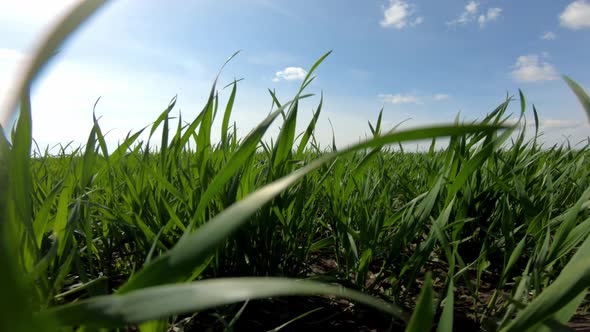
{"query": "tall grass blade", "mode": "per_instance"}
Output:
(423, 314)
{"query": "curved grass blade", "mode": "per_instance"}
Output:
(580, 93)
(308, 77)
(163, 301)
(226, 115)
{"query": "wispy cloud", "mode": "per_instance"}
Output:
(549, 36)
(441, 96)
(400, 99)
(576, 15)
(491, 15)
(470, 14)
(290, 74)
(530, 68)
(560, 124)
(400, 14)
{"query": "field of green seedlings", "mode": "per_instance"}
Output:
(490, 233)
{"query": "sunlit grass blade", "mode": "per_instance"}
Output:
(163, 301)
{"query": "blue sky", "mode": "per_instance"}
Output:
(420, 60)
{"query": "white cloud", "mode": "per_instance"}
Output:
(470, 12)
(529, 68)
(559, 124)
(290, 74)
(576, 15)
(400, 99)
(417, 21)
(471, 7)
(441, 96)
(399, 15)
(549, 35)
(491, 15)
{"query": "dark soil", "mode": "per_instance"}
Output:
(333, 314)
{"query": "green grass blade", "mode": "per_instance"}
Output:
(162, 116)
(246, 149)
(580, 93)
(88, 160)
(227, 114)
(514, 256)
(284, 145)
(475, 162)
(569, 221)
(564, 314)
(308, 77)
(573, 280)
(536, 115)
(423, 314)
(121, 150)
(20, 176)
(310, 127)
(445, 323)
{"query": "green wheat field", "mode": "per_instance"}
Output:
(181, 233)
